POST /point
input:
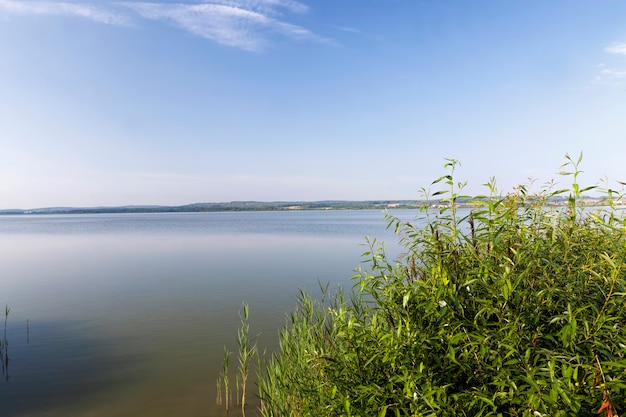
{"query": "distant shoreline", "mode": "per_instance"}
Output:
(235, 206)
(232, 206)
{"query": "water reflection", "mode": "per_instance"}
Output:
(64, 365)
(127, 315)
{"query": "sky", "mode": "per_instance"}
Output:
(106, 103)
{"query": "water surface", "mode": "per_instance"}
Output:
(128, 314)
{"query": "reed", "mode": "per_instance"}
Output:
(218, 397)
(223, 381)
(4, 345)
(247, 353)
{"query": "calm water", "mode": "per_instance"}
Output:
(127, 315)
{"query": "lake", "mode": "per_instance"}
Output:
(128, 314)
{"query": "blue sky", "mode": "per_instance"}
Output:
(125, 102)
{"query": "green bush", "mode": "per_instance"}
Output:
(513, 308)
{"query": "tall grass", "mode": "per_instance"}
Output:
(516, 307)
(247, 353)
(223, 381)
(246, 356)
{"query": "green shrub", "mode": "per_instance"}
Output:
(513, 308)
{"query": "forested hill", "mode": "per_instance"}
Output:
(272, 206)
(228, 206)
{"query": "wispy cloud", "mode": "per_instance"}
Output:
(263, 6)
(98, 13)
(347, 29)
(613, 73)
(618, 48)
(244, 24)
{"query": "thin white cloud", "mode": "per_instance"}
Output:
(347, 29)
(618, 48)
(244, 24)
(610, 74)
(88, 11)
(240, 24)
(263, 6)
(613, 73)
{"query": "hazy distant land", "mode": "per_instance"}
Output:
(258, 206)
(227, 206)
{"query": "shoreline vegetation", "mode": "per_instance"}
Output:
(516, 308)
(235, 206)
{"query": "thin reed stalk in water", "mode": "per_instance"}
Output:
(225, 379)
(218, 397)
(4, 345)
(258, 371)
(6, 318)
(237, 386)
(247, 350)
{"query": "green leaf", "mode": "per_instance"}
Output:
(444, 177)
